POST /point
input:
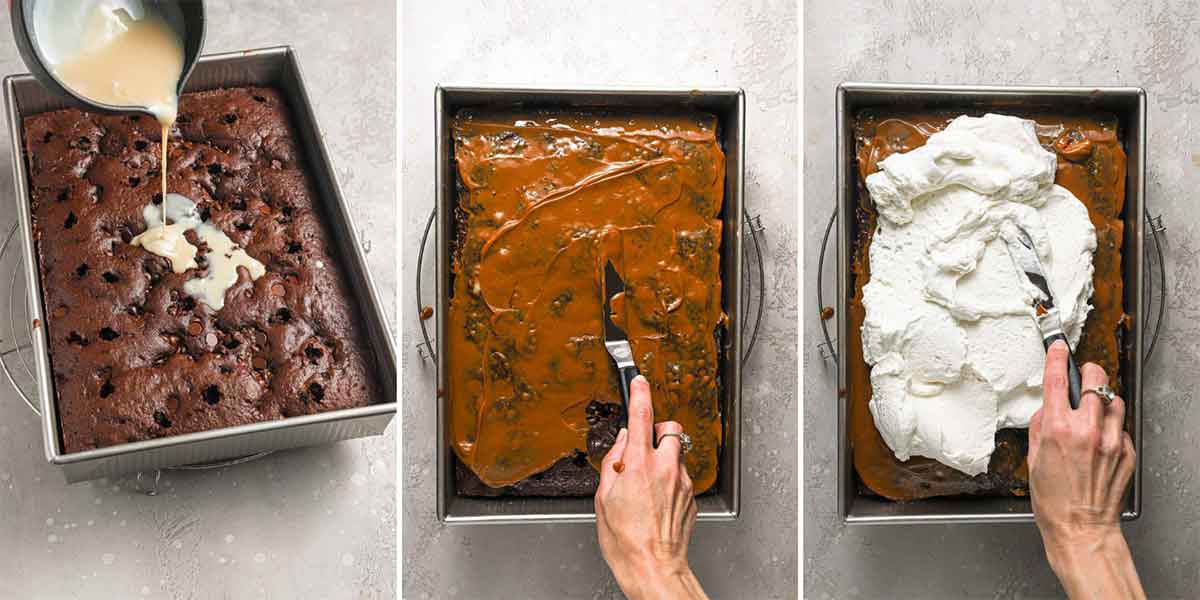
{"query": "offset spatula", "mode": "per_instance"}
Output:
(1020, 249)
(615, 339)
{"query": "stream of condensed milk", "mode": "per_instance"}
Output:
(127, 56)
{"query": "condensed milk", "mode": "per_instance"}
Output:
(127, 56)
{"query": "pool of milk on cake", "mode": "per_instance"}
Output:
(949, 329)
(223, 258)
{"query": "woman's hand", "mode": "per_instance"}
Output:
(1080, 463)
(645, 509)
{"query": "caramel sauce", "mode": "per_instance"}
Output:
(1091, 164)
(545, 200)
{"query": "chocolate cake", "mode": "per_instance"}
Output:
(135, 357)
(1091, 165)
(544, 200)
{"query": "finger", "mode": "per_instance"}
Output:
(641, 417)
(608, 467)
(1054, 381)
(1112, 432)
(668, 447)
(1035, 437)
(1091, 404)
(1126, 465)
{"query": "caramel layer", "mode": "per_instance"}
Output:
(547, 198)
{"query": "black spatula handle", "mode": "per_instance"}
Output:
(1074, 383)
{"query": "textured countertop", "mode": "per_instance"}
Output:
(1147, 44)
(312, 523)
(751, 45)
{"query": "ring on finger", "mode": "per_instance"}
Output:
(1103, 391)
(685, 440)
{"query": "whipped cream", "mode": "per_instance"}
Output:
(168, 241)
(949, 328)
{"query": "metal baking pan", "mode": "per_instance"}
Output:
(1129, 105)
(729, 106)
(276, 67)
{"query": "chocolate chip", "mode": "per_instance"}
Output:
(283, 315)
(140, 145)
(135, 181)
(109, 334)
(82, 270)
(293, 247)
(313, 352)
(110, 277)
(71, 220)
(229, 118)
(316, 391)
(63, 195)
(161, 418)
(212, 395)
(107, 389)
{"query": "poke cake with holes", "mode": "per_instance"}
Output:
(141, 351)
(545, 199)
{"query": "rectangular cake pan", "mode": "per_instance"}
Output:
(729, 106)
(1129, 105)
(276, 67)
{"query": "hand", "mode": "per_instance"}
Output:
(645, 509)
(1080, 463)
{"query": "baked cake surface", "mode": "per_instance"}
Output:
(133, 356)
(545, 199)
(1091, 165)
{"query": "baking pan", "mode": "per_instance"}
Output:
(1129, 105)
(275, 67)
(729, 106)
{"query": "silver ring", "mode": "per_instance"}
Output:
(1106, 394)
(685, 440)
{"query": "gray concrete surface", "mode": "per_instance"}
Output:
(1150, 44)
(314, 523)
(747, 44)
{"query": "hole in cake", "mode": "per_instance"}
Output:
(215, 169)
(71, 220)
(579, 459)
(83, 143)
(135, 118)
(293, 247)
(258, 98)
(161, 418)
(238, 204)
(231, 343)
(109, 334)
(46, 137)
(212, 395)
(316, 391)
(157, 199)
(63, 195)
(135, 181)
(313, 353)
(224, 370)
(110, 277)
(230, 118)
(141, 145)
(106, 389)
(282, 315)
(82, 270)
(243, 226)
